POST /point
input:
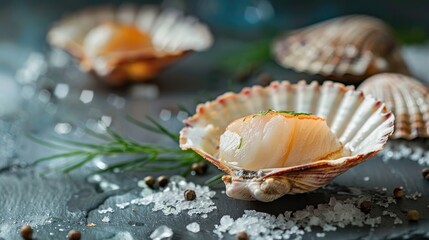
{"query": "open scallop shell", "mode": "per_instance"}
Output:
(361, 123)
(407, 98)
(173, 35)
(347, 49)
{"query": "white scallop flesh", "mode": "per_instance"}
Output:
(276, 140)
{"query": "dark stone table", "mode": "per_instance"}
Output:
(53, 203)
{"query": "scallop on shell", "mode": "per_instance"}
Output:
(347, 49)
(361, 123)
(169, 35)
(407, 98)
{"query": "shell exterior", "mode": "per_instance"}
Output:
(173, 35)
(348, 49)
(361, 123)
(407, 98)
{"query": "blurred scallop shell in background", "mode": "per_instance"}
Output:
(348, 49)
(407, 98)
(171, 36)
(361, 123)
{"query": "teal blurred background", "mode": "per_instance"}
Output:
(26, 22)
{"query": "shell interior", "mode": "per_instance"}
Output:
(348, 49)
(407, 98)
(362, 124)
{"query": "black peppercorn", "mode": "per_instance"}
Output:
(365, 207)
(26, 232)
(200, 168)
(190, 195)
(74, 235)
(242, 236)
(398, 192)
(162, 181)
(413, 215)
(150, 181)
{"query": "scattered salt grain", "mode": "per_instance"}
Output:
(193, 227)
(320, 235)
(162, 232)
(105, 219)
(397, 221)
(61, 90)
(165, 115)
(63, 128)
(86, 96)
(292, 225)
(414, 151)
(122, 205)
(414, 196)
(171, 201)
(107, 210)
(366, 179)
(116, 101)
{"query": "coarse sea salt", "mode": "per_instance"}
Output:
(293, 225)
(122, 205)
(171, 201)
(105, 219)
(107, 210)
(193, 227)
(162, 232)
(417, 151)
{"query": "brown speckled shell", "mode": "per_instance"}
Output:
(173, 36)
(407, 98)
(361, 123)
(348, 49)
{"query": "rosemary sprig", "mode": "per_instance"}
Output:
(148, 157)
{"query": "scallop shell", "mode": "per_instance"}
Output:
(173, 35)
(407, 98)
(361, 123)
(347, 49)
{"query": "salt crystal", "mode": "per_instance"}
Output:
(148, 91)
(366, 179)
(116, 101)
(105, 219)
(193, 227)
(122, 205)
(181, 115)
(293, 225)
(162, 232)
(107, 210)
(397, 221)
(61, 90)
(86, 96)
(171, 201)
(63, 128)
(320, 235)
(165, 115)
(44, 96)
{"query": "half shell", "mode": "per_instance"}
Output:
(172, 36)
(361, 123)
(407, 98)
(347, 49)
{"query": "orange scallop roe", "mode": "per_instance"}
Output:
(115, 37)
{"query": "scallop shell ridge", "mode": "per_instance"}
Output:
(407, 98)
(360, 122)
(347, 49)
